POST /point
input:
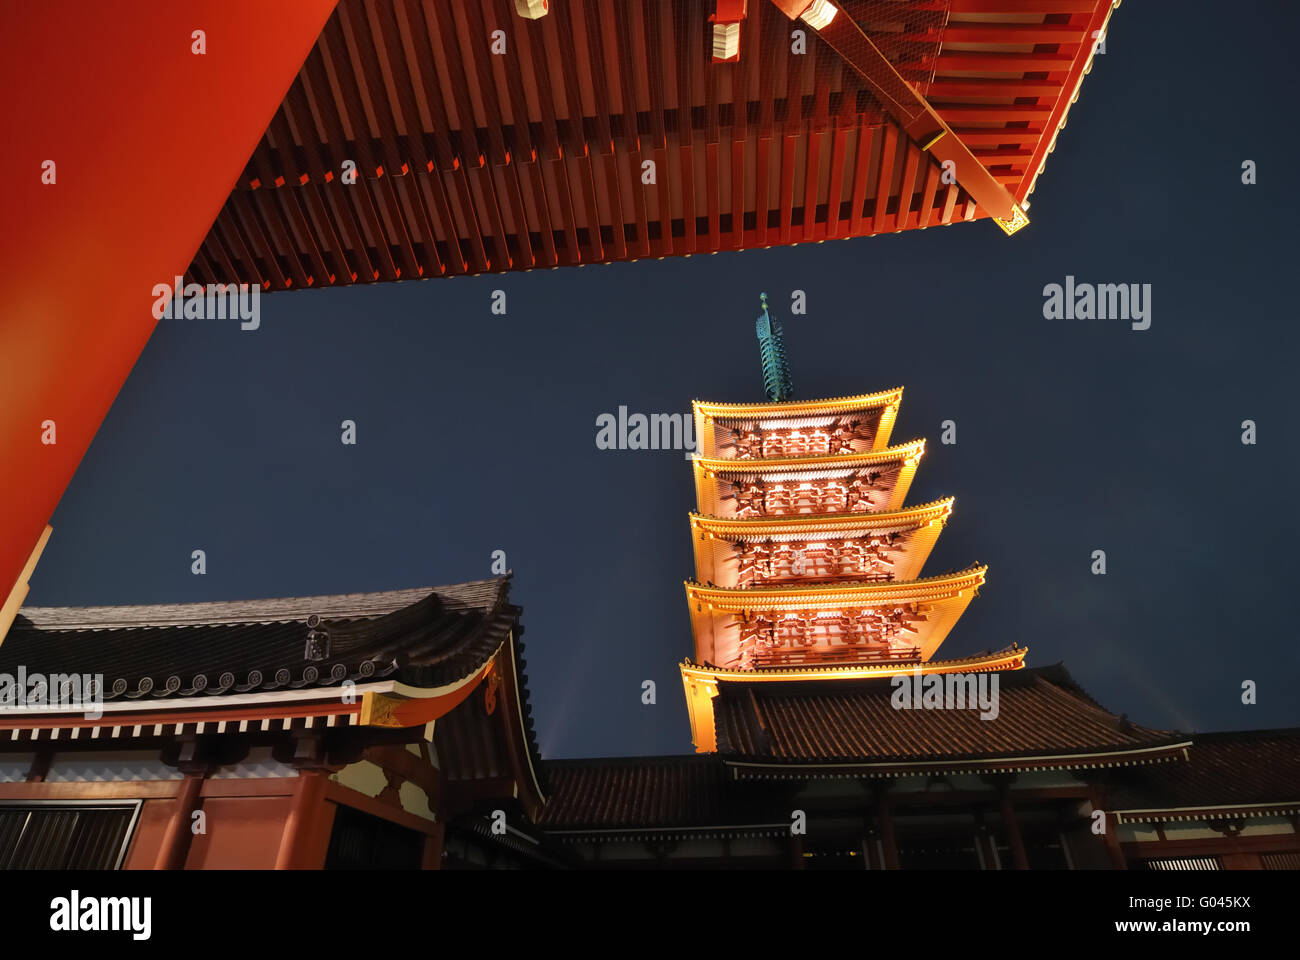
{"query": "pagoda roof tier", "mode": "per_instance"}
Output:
(916, 616)
(800, 525)
(702, 681)
(877, 411)
(1043, 720)
(896, 466)
(837, 595)
(897, 543)
(781, 468)
(777, 410)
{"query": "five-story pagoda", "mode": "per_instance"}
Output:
(807, 563)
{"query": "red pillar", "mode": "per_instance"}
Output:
(885, 817)
(433, 845)
(147, 138)
(296, 841)
(1012, 826)
(176, 840)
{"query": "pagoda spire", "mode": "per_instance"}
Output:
(771, 348)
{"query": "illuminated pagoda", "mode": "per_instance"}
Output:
(807, 562)
(809, 612)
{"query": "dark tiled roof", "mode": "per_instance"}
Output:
(1041, 712)
(1224, 769)
(425, 637)
(634, 792)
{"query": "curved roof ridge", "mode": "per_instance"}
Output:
(885, 454)
(877, 398)
(842, 519)
(837, 586)
(725, 674)
(485, 594)
(794, 517)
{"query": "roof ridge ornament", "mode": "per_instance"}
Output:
(771, 349)
(318, 640)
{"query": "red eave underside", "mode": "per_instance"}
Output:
(450, 182)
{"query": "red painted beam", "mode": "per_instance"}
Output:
(1022, 6)
(917, 118)
(130, 128)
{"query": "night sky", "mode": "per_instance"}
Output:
(477, 432)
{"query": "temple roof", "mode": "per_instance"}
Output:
(1230, 774)
(415, 656)
(424, 637)
(1238, 774)
(1044, 720)
(341, 606)
(798, 731)
(633, 792)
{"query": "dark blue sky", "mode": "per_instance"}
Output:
(477, 432)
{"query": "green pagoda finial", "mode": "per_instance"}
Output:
(771, 348)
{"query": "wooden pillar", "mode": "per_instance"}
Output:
(869, 856)
(1113, 850)
(296, 839)
(1111, 837)
(885, 817)
(986, 846)
(176, 839)
(1012, 826)
(433, 845)
(40, 768)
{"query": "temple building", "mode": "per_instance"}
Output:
(393, 729)
(364, 730)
